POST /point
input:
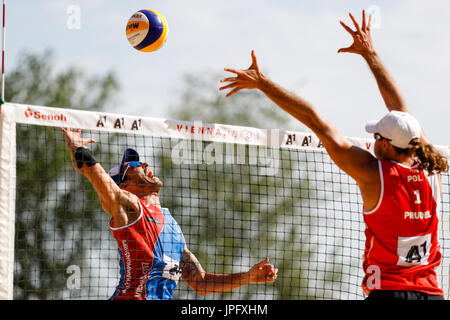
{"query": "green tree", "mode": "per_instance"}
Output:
(232, 213)
(199, 99)
(53, 219)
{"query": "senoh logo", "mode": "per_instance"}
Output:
(38, 115)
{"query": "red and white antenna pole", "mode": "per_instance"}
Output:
(3, 51)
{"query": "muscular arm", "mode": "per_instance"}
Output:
(120, 204)
(206, 283)
(358, 163)
(389, 89)
(354, 161)
(363, 45)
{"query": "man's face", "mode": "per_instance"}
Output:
(380, 147)
(139, 174)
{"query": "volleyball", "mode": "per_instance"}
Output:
(147, 30)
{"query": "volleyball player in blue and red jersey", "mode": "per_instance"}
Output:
(153, 251)
(399, 185)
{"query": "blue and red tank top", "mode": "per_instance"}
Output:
(150, 251)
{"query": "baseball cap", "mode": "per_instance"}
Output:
(399, 127)
(116, 172)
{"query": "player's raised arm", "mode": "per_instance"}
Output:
(363, 45)
(118, 203)
(206, 283)
(358, 163)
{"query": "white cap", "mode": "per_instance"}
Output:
(399, 127)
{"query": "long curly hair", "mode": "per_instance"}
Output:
(429, 157)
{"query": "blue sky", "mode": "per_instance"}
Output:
(296, 43)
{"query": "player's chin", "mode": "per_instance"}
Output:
(155, 182)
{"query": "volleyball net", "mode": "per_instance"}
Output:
(239, 195)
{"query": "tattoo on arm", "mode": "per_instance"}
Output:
(190, 266)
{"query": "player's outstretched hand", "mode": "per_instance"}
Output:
(362, 40)
(263, 272)
(73, 138)
(244, 79)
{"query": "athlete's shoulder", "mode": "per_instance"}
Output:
(388, 163)
(168, 215)
(148, 206)
(392, 166)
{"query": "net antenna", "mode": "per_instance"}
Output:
(3, 51)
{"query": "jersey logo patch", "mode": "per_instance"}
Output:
(172, 269)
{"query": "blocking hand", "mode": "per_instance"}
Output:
(245, 79)
(362, 40)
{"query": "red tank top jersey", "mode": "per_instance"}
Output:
(402, 248)
(136, 244)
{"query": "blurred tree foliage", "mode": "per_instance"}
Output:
(45, 209)
(238, 214)
(199, 99)
(233, 215)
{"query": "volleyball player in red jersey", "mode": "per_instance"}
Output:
(152, 247)
(399, 186)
